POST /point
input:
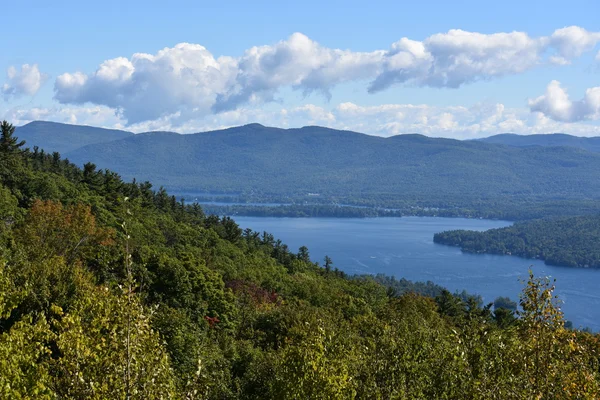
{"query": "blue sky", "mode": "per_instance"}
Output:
(451, 69)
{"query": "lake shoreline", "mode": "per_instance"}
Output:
(334, 211)
(404, 248)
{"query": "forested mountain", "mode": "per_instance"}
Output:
(111, 290)
(553, 139)
(349, 165)
(413, 174)
(53, 136)
(568, 241)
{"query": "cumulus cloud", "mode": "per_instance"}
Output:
(298, 62)
(181, 80)
(573, 41)
(187, 82)
(556, 104)
(457, 57)
(25, 81)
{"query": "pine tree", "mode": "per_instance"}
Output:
(8, 142)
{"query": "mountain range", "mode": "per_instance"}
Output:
(343, 164)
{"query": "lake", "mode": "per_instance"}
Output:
(403, 247)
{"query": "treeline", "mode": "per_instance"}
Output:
(500, 209)
(399, 287)
(567, 241)
(300, 211)
(112, 290)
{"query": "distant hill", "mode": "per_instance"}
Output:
(553, 139)
(412, 168)
(53, 136)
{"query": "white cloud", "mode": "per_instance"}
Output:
(26, 81)
(558, 60)
(182, 80)
(187, 82)
(312, 114)
(573, 41)
(457, 57)
(298, 62)
(556, 104)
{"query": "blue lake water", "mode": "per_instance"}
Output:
(403, 247)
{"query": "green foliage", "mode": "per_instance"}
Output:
(553, 361)
(111, 290)
(109, 350)
(25, 364)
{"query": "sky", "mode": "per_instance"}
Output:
(461, 69)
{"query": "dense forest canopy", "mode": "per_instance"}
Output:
(113, 290)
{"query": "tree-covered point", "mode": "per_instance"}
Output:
(300, 211)
(566, 241)
(511, 211)
(110, 290)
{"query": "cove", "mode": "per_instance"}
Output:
(404, 248)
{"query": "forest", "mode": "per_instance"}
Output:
(111, 289)
(564, 241)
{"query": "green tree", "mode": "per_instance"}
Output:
(554, 363)
(109, 350)
(24, 356)
(328, 263)
(8, 142)
(303, 254)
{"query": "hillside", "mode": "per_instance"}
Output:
(53, 136)
(554, 139)
(111, 290)
(349, 165)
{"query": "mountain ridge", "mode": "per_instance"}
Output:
(62, 138)
(45, 129)
(344, 163)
